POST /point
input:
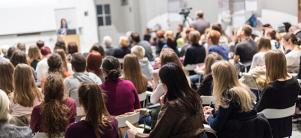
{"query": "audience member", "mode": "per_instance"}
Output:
(97, 47)
(136, 40)
(281, 92)
(181, 113)
(8, 130)
(80, 75)
(34, 56)
(123, 49)
(144, 63)
(40, 44)
(133, 73)
(21, 47)
(196, 53)
(55, 113)
(66, 66)
(213, 38)
(264, 45)
(291, 44)
(121, 95)
(55, 65)
(25, 95)
(200, 24)
(18, 57)
(171, 42)
(11, 50)
(246, 48)
(207, 82)
(98, 122)
(107, 42)
(6, 81)
(60, 44)
(234, 116)
(94, 62)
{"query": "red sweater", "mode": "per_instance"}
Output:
(121, 96)
(36, 118)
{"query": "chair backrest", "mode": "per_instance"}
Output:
(142, 97)
(207, 100)
(190, 67)
(132, 117)
(44, 135)
(278, 113)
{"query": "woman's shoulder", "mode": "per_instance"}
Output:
(10, 130)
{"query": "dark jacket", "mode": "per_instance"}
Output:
(121, 52)
(174, 121)
(195, 54)
(231, 123)
(206, 86)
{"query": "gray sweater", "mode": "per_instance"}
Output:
(11, 131)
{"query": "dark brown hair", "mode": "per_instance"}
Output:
(72, 47)
(90, 97)
(18, 57)
(55, 64)
(264, 43)
(54, 112)
(78, 62)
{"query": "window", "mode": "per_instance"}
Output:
(104, 15)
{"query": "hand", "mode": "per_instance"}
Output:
(132, 133)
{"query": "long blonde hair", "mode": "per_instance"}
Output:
(25, 89)
(4, 106)
(226, 87)
(132, 72)
(275, 63)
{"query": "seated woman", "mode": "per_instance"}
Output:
(206, 85)
(181, 114)
(98, 122)
(234, 104)
(132, 72)
(121, 95)
(94, 61)
(145, 65)
(55, 113)
(264, 45)
(25, 95)
(167, 55)
(281, 92)
(8, 130)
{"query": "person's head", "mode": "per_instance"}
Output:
(11, 50)
(111, 68)
(173, 77)
(55, 64)
(78, 62)
(271, 33)
(6, 81)
(45, 51)
(132, 72)
(64, 23)
(290, 39)
(168, 55)
(227, 87)
(63, 57)
(40, 44)
(60, 45)
(18, 57)
(123, 41)
(94, 61)
(25, 90)
(275, 63)
(97, 47)
(264, 44)
(210, 60)
(213, 37)
(217, 27)
(199, 14)
(90, 97)
(4, 106)
(34, 53)
(107, 41)
(72, 47)
(169, 35)
(135, 37)
(21, 46)
(139, 51)
(287, 26)
(245, 31)
(194, 37)
(54, 112)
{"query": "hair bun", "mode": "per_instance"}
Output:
(113, 74)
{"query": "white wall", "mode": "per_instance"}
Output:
(42, 16)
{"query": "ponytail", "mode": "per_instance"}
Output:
(91, 99)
